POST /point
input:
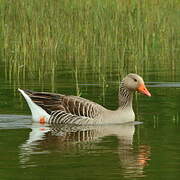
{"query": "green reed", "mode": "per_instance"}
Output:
(107, 36)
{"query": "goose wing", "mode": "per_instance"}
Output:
(75, 105)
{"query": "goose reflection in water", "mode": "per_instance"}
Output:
(63, 137)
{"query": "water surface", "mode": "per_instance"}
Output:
(150, 150)
(85, 47)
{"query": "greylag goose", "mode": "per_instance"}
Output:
(57, 108)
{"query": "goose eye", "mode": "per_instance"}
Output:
(135, 80)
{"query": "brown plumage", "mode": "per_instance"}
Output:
(58, 108)
(70, 104)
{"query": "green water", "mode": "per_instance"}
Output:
(84, 47)
(149, 150)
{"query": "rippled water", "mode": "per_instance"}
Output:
(148, 150)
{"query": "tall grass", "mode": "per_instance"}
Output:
(106, 36)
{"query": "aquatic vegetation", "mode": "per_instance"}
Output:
(39, 38)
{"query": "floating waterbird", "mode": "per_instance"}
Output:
(57, 108)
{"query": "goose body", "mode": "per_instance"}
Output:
(57, 108)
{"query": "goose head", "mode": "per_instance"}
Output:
(134, 82)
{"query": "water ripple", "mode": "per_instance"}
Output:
(8, 121)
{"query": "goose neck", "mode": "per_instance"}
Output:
(125, 97)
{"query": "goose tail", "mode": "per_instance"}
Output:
(38, 114)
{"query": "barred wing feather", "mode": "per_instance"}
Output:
(62, 117)
(74, 105)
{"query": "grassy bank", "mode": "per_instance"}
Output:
(38, 38)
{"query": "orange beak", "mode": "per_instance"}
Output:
(143, 90)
